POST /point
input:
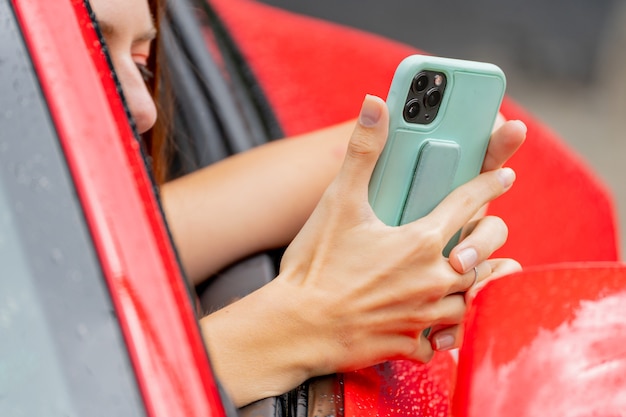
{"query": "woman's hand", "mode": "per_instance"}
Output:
(352, 292)
(470, 253)
(379, 286)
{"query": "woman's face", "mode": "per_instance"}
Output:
(128, 30)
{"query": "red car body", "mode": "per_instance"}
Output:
(152, 304)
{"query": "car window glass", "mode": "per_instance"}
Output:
(61, 349)
(27, 355)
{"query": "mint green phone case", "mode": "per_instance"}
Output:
(422, 163)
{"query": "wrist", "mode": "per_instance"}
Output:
(260, 345)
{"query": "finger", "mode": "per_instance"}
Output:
(500, 120)
(504, 266)
(423, 351)
(469, 227)
(487, 235)
(448, 310)
(458, 208)
(365, 146)
(504, 142)
(447, 338)
(450, 337)
(499, 268)
(410, 345)
(467, 280)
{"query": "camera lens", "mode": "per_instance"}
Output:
(432, 97)
(420, 83)
(411, 109)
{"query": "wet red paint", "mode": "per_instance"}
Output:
(401, 388)
(547, 342)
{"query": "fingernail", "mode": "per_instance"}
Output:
(506, 176)
(444, 342)
(521, 124)
(370, 112)
(467, 257)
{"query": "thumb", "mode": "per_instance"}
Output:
(366, 144)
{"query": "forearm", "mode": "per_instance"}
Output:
(257, 347)
(250, 202)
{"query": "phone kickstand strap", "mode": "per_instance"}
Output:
(435, 171)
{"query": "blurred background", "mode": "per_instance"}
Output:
(565, 60)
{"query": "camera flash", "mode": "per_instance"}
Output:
(438, 80)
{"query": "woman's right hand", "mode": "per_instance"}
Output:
(352, 292)
(371, 289)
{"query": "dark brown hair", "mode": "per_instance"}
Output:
(156, 138)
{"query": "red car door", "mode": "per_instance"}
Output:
(94, 309)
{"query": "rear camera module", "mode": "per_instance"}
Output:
(425, 96)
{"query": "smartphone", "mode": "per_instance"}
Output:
(442, 112)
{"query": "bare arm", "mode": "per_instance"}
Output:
(252, 201)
